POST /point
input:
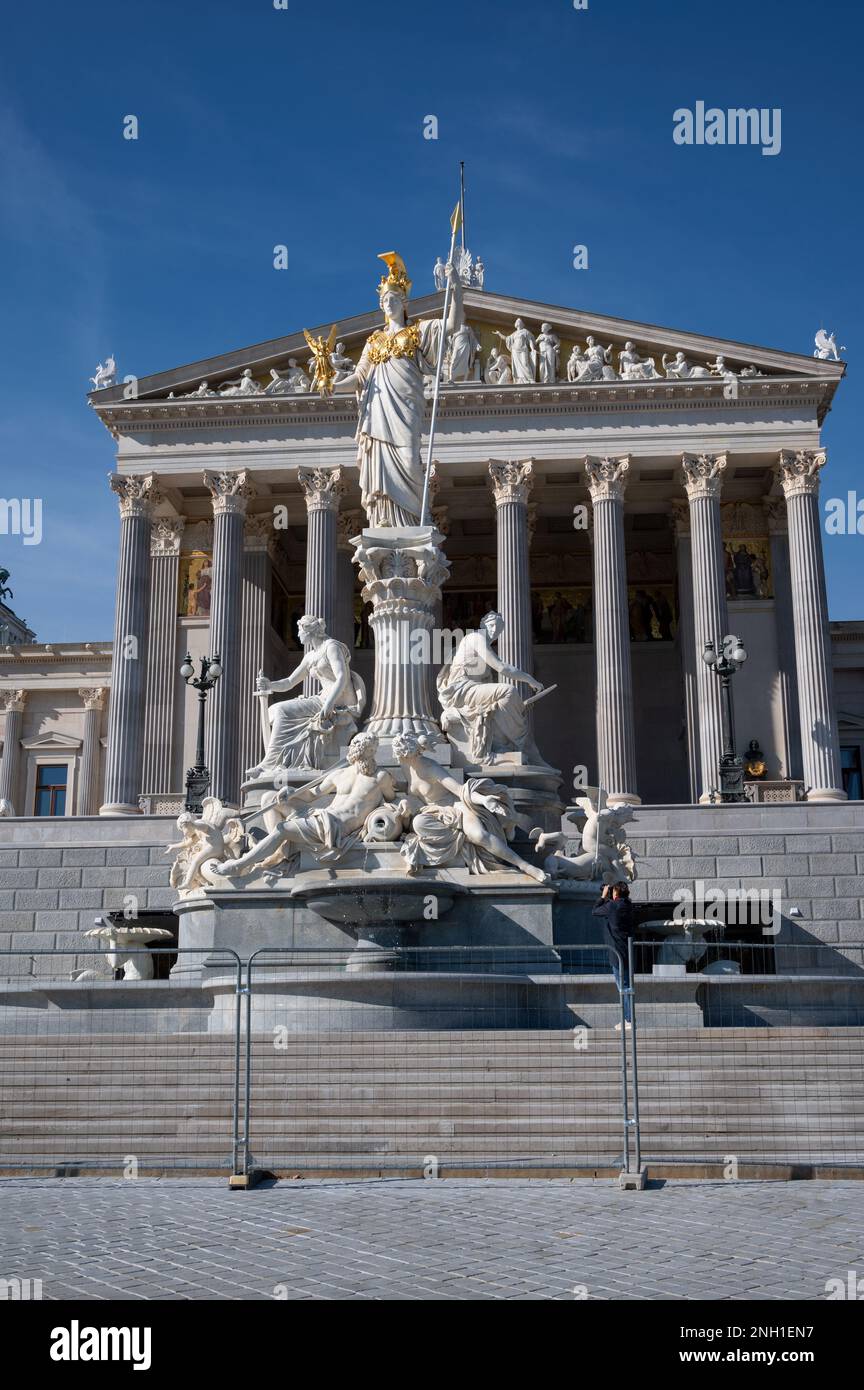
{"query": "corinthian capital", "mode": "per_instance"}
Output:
(230, 491)
(322, 488)
(137, 493)
(13, 701)
(166, 533)
(92, 697)
(607, 478)
(798, 473)
(703, 475)
(511, 482)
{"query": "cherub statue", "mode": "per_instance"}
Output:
(215, 834)
(354, 788)
(106, 374)
(604, 852)
(826, 347)
(453, 822)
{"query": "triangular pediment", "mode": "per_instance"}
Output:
(489, 313)
(53, 742)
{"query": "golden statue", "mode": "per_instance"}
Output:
(325, 372)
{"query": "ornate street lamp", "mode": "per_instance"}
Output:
(725, 663)
(198, 777)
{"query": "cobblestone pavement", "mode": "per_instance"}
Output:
(102, 1238)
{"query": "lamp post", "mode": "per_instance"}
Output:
(725, 663)
(198, 777)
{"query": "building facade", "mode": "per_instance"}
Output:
(647, 491)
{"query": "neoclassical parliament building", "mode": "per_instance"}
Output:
(647, 490)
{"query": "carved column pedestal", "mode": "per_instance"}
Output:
(402, 569)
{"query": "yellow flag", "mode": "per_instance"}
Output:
(456, 219)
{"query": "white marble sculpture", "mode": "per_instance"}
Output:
(575, 363)
(244, 385)
(343, 365)
(216, 834)
(522, 348)
(465, 266)
(306, 731)
(750, 371)
(125, 948)
(826, 347)
(479, 274)
(294, 382)
(603, 852)
(199, 392)
(462, 354)
(635, 368)
(106, 374)
(679, 369)
(389, 381)
(352, 792)
(440, 274)
(596, 364)
(6, 807)
(473, 693)
(549, 351)
(451, 822)
(498, 370)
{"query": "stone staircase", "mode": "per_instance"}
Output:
(784, 1100)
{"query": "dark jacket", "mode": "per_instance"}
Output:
(619, 919)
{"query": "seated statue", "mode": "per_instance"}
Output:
(355, 789)
(603, 854)
(453, 822)
(306, 730)
(472, 692)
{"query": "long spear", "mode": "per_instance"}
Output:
(455, 223)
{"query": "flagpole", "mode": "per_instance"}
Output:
(455, 225)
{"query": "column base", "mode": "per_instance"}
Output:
(623, 799)
(826, 794)
(119, 808)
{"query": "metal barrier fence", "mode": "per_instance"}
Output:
(750, 1055)
(103, 1075)
(433, 1060)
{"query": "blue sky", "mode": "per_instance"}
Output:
(305, 127)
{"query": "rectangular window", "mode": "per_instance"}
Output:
(51, 790)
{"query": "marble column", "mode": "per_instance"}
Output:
(798, 474)
(778, 536)
(322, 489)
(166, 535)
(616, 742)
(259, 539)
(511, 485)
(124, 755)
(93, 698)
(230, 493)
(348, 525)
(13, 702)
(680, 519)
(703, 480)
